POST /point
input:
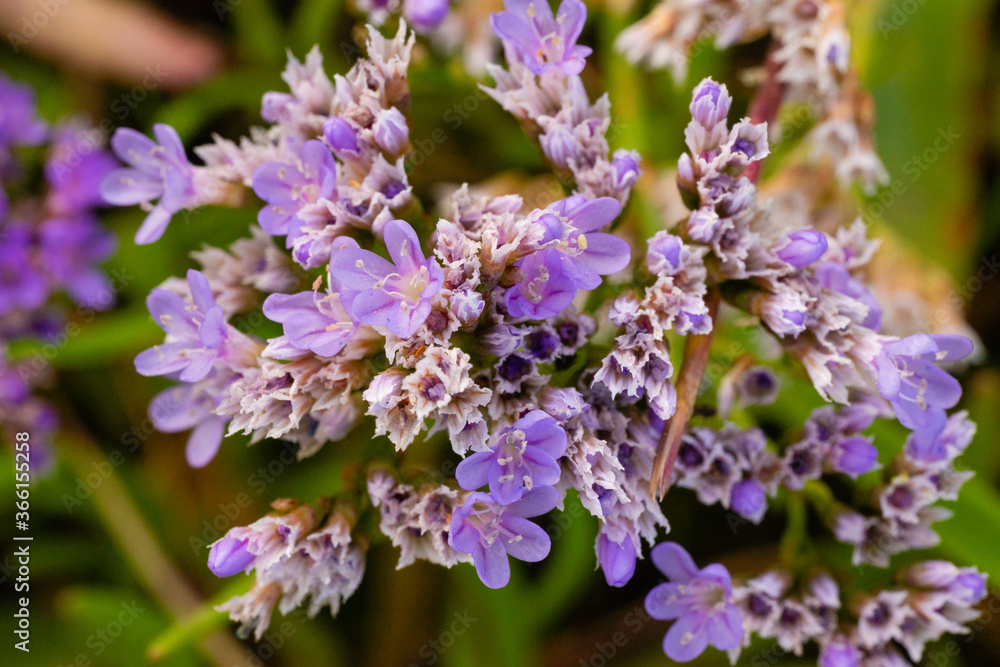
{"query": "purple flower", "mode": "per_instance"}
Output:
(839, 653)
(72, 248)
(390, 131)
(910, 380)
(616, 558)
(854, 456)
(156, 171)
(425, 15)
(19, 123)
(521, 457)
(710, 103)
(289, 188)
(700, 600)
(492, 532)
(311, 320)
(543, 42)
(189, 407)
(75, 169)
(749, 500)
(341, 136)
(229, 556)
(835, 277)
(195, 332)
(397, 294)
(803, 247)
(22, 285)
(592, 254)
(627, 170)
(547, 286)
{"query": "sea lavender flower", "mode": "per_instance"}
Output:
(909, 378)
(710, 102)
(521, 456)
(542, 42)
(546, 287)
(191, 406)
(700, 600)
(312, 321)
(803, 247)
(342, 136)
(75, 168)
(390, 130)
(229, 556)
(425, 15)
(19, 123)
(157, 170)
(616, 557)
(22, 284)
(196, 331)
(592, 253)
(295, 189)
(397, 294)
(491, 532)
(839, 652)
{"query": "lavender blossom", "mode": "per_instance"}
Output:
(397, 294)
(700, 600)
(196, 331)
(296, 189)
(230, 556)
(542, 42)
(546, 288)
(522, 456)
(803, 247)
(492, 532)
(19, 123)
(910, 380)
(157, 170)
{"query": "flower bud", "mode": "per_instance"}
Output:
(391, 131)
(617, 559)
(804, 247)
(341, 136)
(229, 556)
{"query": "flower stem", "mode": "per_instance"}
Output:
(696, 350)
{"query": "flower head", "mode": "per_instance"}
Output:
(700, 600)
(156, 171)
(396, 294)
(546, 288)
(542, 42)
(312, 320)
(290, 188)
(195, 332)
(491, 532)
(909, 378)
(522, 456)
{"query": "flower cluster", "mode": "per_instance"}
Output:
(808, 64)
(530, 345)
(50, 242)
(936, 598)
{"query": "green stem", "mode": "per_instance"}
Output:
(135, 541)
(795, 530)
